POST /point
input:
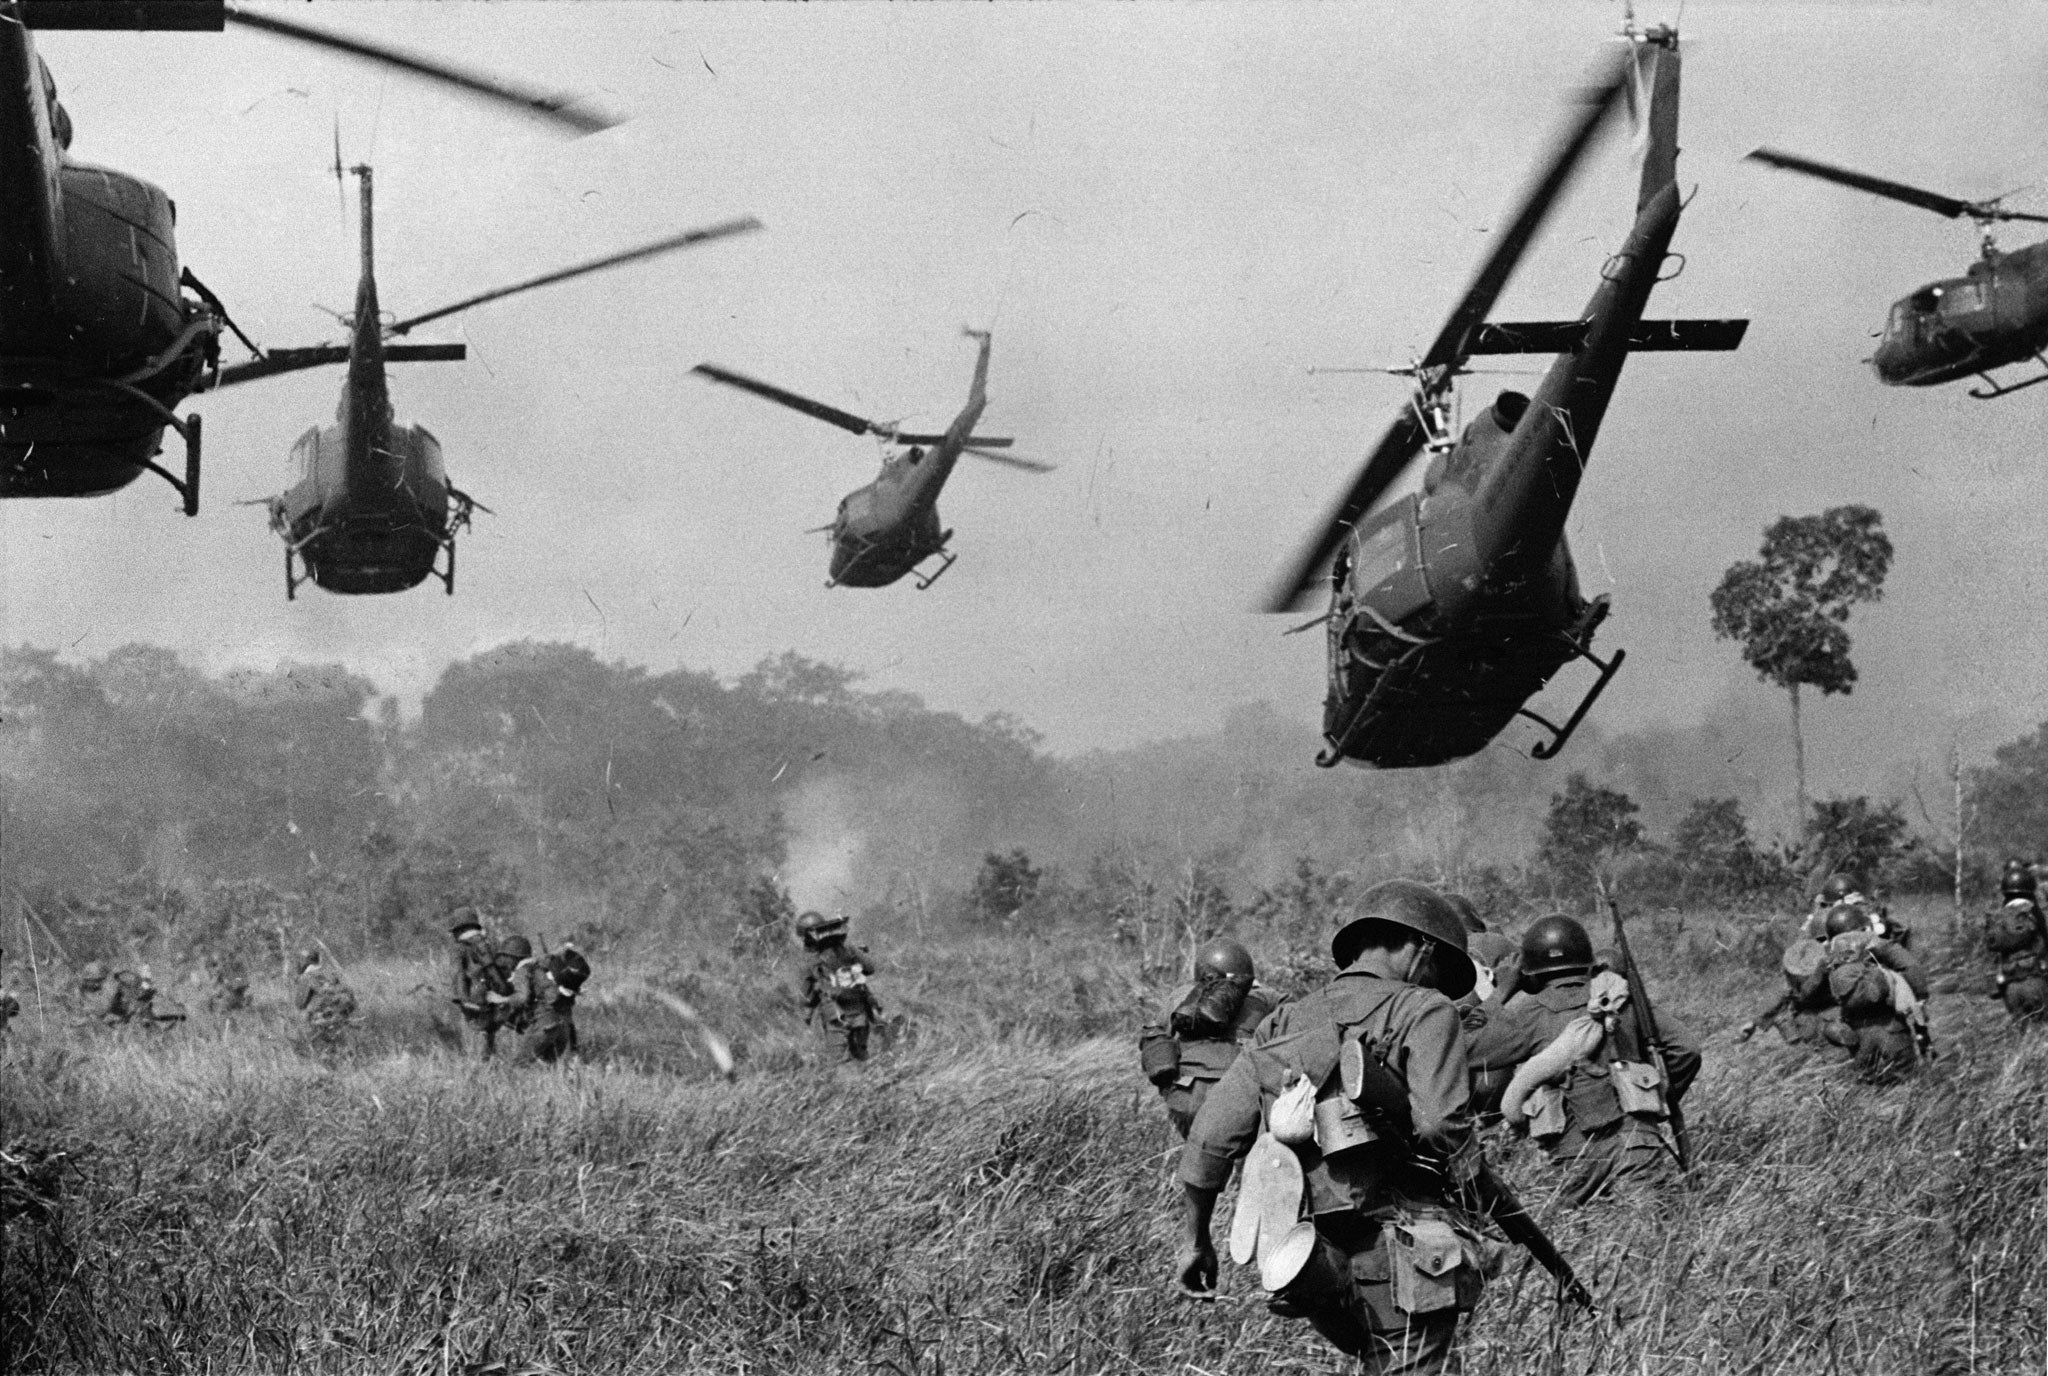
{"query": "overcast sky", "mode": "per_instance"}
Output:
(1167, 213)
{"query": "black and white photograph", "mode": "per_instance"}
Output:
(1051, 686)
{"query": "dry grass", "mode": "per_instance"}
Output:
(993, 1195)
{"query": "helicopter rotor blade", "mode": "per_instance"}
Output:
(1434, 371)
(1510, 244)
(1950, 207)
(831, 415)
(1013, 460)
(564, 112)
(1403, 440)
(686, 239)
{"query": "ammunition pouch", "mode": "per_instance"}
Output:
(1590, 1099)
(1545, 1108)
(1639, 1090)
(1158, 1055)
(1430, 1270)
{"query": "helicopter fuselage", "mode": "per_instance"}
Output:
(1452, 608)
(97, 338)
(1995, 314)
(889, 527)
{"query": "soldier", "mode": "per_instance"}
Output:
(227, 984)
(1840, 889)
(1386, 1261)
(512, 1005)
(1805, 998)
(1601, 1115)
(132, 1001)
(1881, 993)
(1189, 1051)
(473, 979)
(2018, 935)
(97, 993)
(551, 1034)
(838, 971)
(327, 1003)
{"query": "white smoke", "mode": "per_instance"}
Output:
(823, 846)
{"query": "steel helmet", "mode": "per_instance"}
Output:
(1417, 908)
(465, 922)
(1556, 945)
(2017, 881)
(1228, 958)
(1468, 912)
(1847, 917)
(93, 972)
(1838, 887)
(308, 957)
(517, 947)
(814, 927)
(570, 969)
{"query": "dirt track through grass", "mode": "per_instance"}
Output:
(993, 1195)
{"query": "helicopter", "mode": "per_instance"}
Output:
(1995, 314)
(891, 526)
(102, 334)
(1451, 607)
(373, 510)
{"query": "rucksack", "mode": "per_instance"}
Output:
(1859, 984)
(1209, 1012)
(2012, 929)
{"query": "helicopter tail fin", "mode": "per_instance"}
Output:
(1654, 95)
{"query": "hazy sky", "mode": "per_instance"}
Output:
(1167, 213)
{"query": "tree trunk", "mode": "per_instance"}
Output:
(1799, 763)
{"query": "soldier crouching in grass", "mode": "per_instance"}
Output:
(550, 1033)
(329, 1004)
(1387, 1257)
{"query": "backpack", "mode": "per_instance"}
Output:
(1857, 983)
(2012, 929)
(1209, 1012)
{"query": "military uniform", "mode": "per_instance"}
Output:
(838, 974)
(1884, 1038)
(328, 1004)
(1589, 1132)
(1186, 1066)
(551, 1033)
(473, 978)
(1393, 1259)
(2018, 936)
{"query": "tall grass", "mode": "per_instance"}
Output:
(992, 1194)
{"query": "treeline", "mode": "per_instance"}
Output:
(142, 795)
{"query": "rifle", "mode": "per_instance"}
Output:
(1646, 1032)
(1383, 1097)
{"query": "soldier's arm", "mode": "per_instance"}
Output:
(1895, 957)
(1435, 1065)
(1505, 1037)
(1681, 1052)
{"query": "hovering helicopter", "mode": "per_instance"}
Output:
(101, 334)
(889, 527)
(1996, 313)
(373, 509)
(1451, 607)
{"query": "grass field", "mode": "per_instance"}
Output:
(992, 1194)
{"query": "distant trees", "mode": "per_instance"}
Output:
(1587, 827)
(2009, 797)
(1714, 853)
(1789, 607)
(1004, 885)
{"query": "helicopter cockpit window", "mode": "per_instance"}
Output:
(1382, 553)
(1900, 326)
(1962, 298)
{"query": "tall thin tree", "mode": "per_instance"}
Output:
(1789, 608)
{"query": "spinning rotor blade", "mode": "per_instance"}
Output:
(1013, 460)
(1510, 244)
(1405, 438)
(831, 415)
(562, 111)
(631, 255)
(1947, 206)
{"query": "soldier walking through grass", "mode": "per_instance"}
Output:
(1356, 1220)
(1186, 1052)
(1586, 1088)
(838, 975)
(328, 1004)
(2017, 935)
(550, 1035)
(473, 978)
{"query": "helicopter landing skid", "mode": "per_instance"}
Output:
(946, 561)
(1544, 750)
(1993, 388)
(291, 575)
(188, 488)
